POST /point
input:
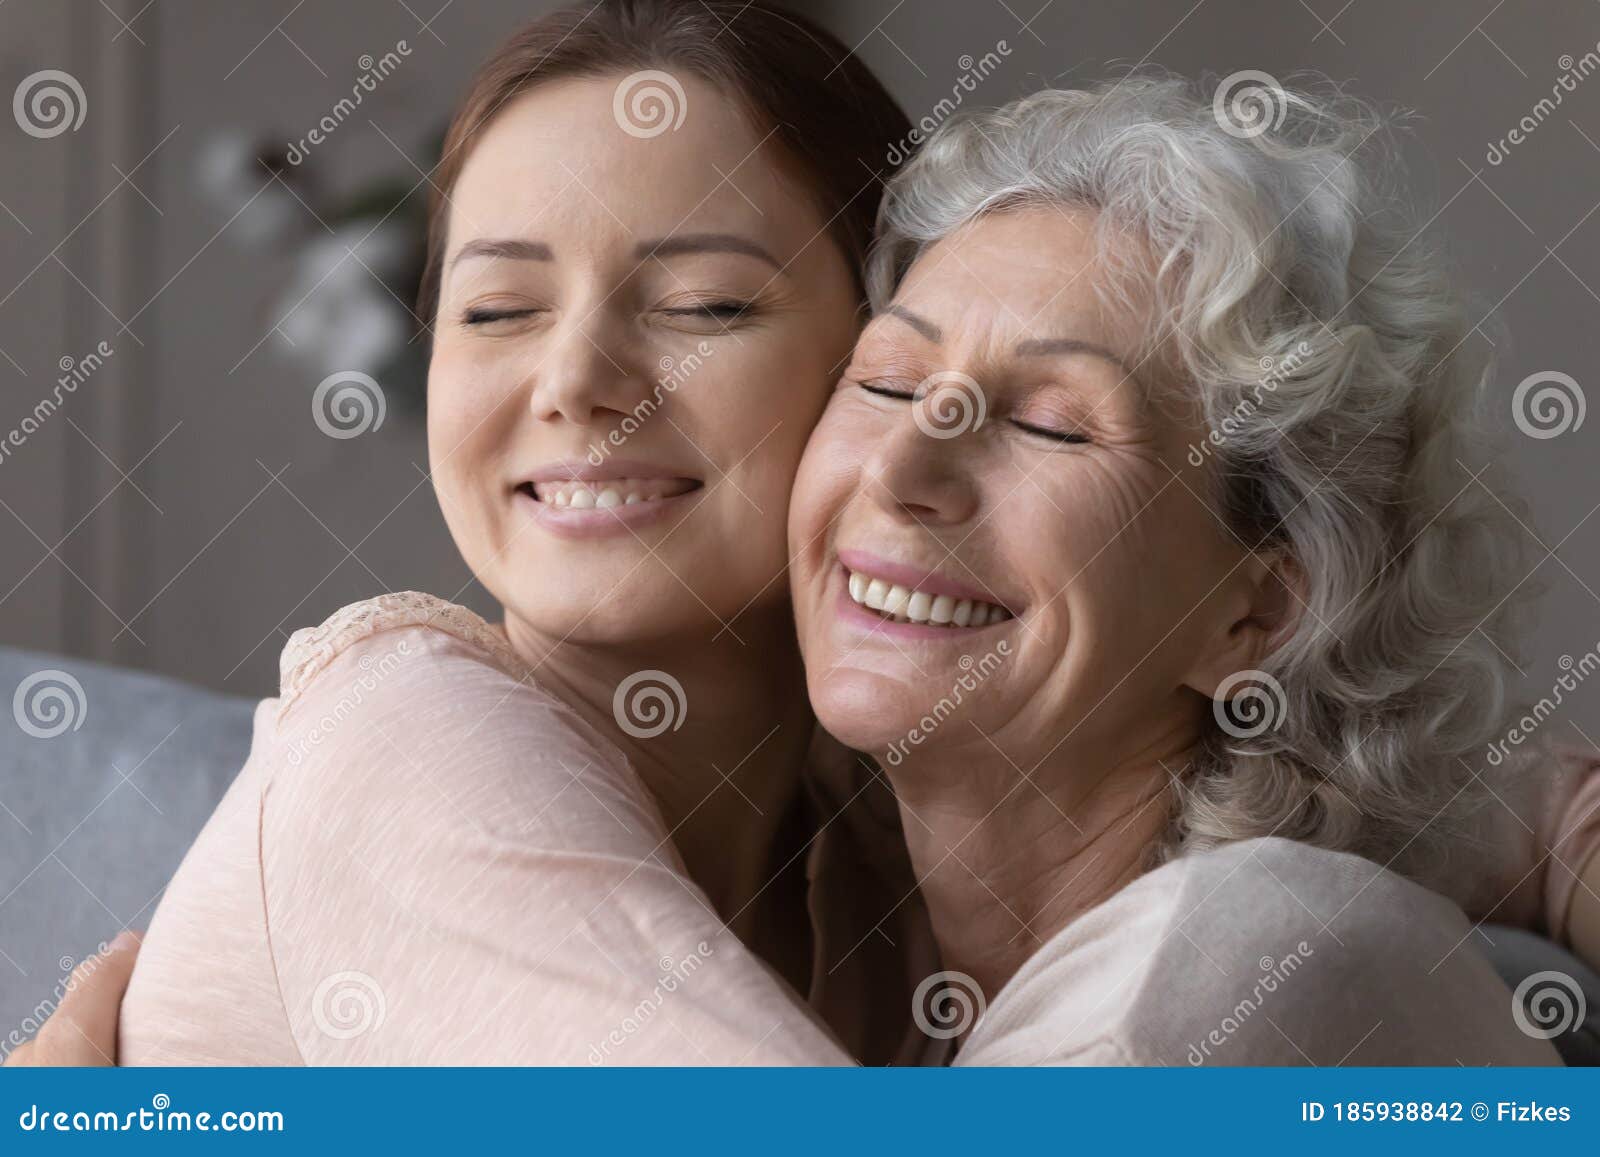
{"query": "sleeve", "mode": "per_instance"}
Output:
(456, 870)
(1571, 832)
(1542, 828)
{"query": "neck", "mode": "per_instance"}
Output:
(727, 775)
(1001, 878)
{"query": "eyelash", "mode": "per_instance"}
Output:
(717, 310)
(484, 316)
(720, 310)
(1072, 438)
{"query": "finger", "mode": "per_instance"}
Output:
(83, 1029)
(21, 1056)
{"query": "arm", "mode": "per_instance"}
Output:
(458, 872)
(1572, 883)
(82, 1032)
(1549, 818)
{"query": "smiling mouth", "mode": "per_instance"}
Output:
(605, 494)
(900, 604)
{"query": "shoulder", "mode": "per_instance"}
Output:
(396, 620)
(409, 709)
(1271, 951)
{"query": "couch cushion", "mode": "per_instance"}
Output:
(106, 776)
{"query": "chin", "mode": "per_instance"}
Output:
(864, 710)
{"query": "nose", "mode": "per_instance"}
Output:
(920, 477)
(585, 374)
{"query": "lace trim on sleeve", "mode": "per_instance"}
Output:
(311, 649)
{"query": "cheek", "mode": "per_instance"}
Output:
(829, 473)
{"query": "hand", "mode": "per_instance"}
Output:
(82, 1032)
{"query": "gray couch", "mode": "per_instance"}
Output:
(97, 817)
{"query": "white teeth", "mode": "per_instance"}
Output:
(609, 494)
(905, 605)
(895, 604)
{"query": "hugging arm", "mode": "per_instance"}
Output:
(459, 872)
(1550, 881)
(82, 1031)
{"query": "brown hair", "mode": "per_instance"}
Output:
(829, 112)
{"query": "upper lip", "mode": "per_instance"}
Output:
(611, 470)
(918, 578)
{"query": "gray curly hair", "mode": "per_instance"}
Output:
(1290, 295)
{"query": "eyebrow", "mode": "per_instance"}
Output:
(921, 324)
(510, 248)
(1045, 346)
(682, 243)
(1031, 347)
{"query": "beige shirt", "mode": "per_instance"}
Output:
(427, 859)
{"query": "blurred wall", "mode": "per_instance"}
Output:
(182, 511)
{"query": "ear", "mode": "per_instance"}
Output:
(1260, 612)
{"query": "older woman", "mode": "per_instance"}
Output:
(1132, 546)
(1141, 543)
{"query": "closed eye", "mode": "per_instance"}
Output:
(481, 316)
(1066, 436)
(883, 391)
(722, 310)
